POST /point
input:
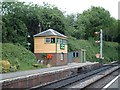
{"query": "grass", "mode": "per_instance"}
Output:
(110, 49)
(18, 55)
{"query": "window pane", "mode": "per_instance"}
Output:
(64, 41)
(47, 40)
(61, 41)
(52, 40)
(73, 54)
(76, 54)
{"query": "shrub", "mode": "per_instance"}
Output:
(5, 66)
(13, 68)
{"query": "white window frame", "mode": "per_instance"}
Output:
(62, 56)
(46, 40)
(58, 40)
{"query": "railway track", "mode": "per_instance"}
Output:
(81, 80)
(100, 84)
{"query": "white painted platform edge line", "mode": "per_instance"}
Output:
(105, 87)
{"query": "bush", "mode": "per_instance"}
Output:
(5, 65)
(13, 68)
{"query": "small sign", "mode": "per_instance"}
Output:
(49, 56)
(97, 55)
(62, 46)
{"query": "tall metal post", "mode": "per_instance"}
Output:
(101, 46)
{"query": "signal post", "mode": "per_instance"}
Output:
(100, 42)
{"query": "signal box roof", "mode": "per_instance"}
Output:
(50, 32)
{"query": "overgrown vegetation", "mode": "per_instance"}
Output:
(110, 49)
(19, 57)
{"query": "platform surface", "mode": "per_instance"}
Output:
(43, 70)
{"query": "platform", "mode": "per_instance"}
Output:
(43, 70)
(42, 76)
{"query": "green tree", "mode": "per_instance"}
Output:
(52, 17)
(73, 28)
(113, 32)
(26, 17)
(94, 19)
(13, 30)
(70, 24)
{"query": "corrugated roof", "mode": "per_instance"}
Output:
(49, 32)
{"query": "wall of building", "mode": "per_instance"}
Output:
(79, 59)
(61, 62)
(55, 61)
(60, 50)
(41, 47)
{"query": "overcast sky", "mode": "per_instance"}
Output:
(78, 6)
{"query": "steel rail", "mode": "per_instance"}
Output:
(101, 82)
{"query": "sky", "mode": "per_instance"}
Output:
(78, 6)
